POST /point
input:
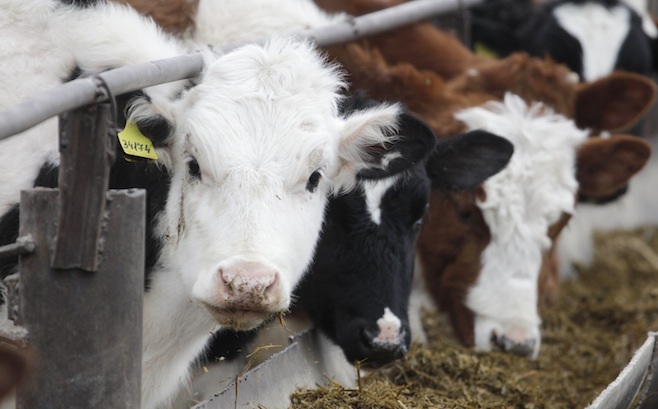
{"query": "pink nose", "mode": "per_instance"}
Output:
(249, 285)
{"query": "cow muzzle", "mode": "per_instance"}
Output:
(518, 339)
(383, 341)
(247, 294)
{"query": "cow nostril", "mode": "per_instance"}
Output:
(249, 278)
(376, 354)
(505, 344)
(368, 337)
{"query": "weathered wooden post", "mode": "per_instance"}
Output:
(81, 290)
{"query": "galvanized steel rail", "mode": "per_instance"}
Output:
(129, 78)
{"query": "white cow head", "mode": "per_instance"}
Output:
(253, 151)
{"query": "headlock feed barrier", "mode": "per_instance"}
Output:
(81, 247)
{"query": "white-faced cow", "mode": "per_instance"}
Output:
(249, 152)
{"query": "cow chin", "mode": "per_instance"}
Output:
(239, 319)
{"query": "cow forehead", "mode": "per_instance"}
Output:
(539, 183)
(283, 68)
(601, 32)
(261, 134)
(273, 106)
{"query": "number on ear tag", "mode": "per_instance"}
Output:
(135, 145)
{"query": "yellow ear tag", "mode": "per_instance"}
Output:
(135, 145)
(484, 51)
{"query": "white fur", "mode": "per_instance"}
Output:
(232, 21)
(374, 193)
(389, 329)
(600, 31)
(522, 201)
(262, 120)
(419, 300)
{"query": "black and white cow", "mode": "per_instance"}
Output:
(358, 288)
(592, 37)
(249, 153)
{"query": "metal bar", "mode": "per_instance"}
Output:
(649, 390)
(83, 91)
(87, 149)
(621, 393)
(306, 362)
(88, 90)
(23, 245)
(85, 328)
(384, 20)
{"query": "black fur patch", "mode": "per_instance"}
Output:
(8, 235)
(156, 128)
(75, 73)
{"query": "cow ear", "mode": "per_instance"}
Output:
(414, 142)
(605, 165)
(465, 161)
(155, 127)
(150, 120)
(365, 139)
(615, 102)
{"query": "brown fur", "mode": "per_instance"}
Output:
(629, 97)
(421, 44)
(425, 47)
(453, 236)
(605, 165)
(17, 363)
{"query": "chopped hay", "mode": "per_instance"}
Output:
(588, 336)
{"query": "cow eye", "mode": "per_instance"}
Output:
(465, 215)
(193, 169)
(313, 181)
